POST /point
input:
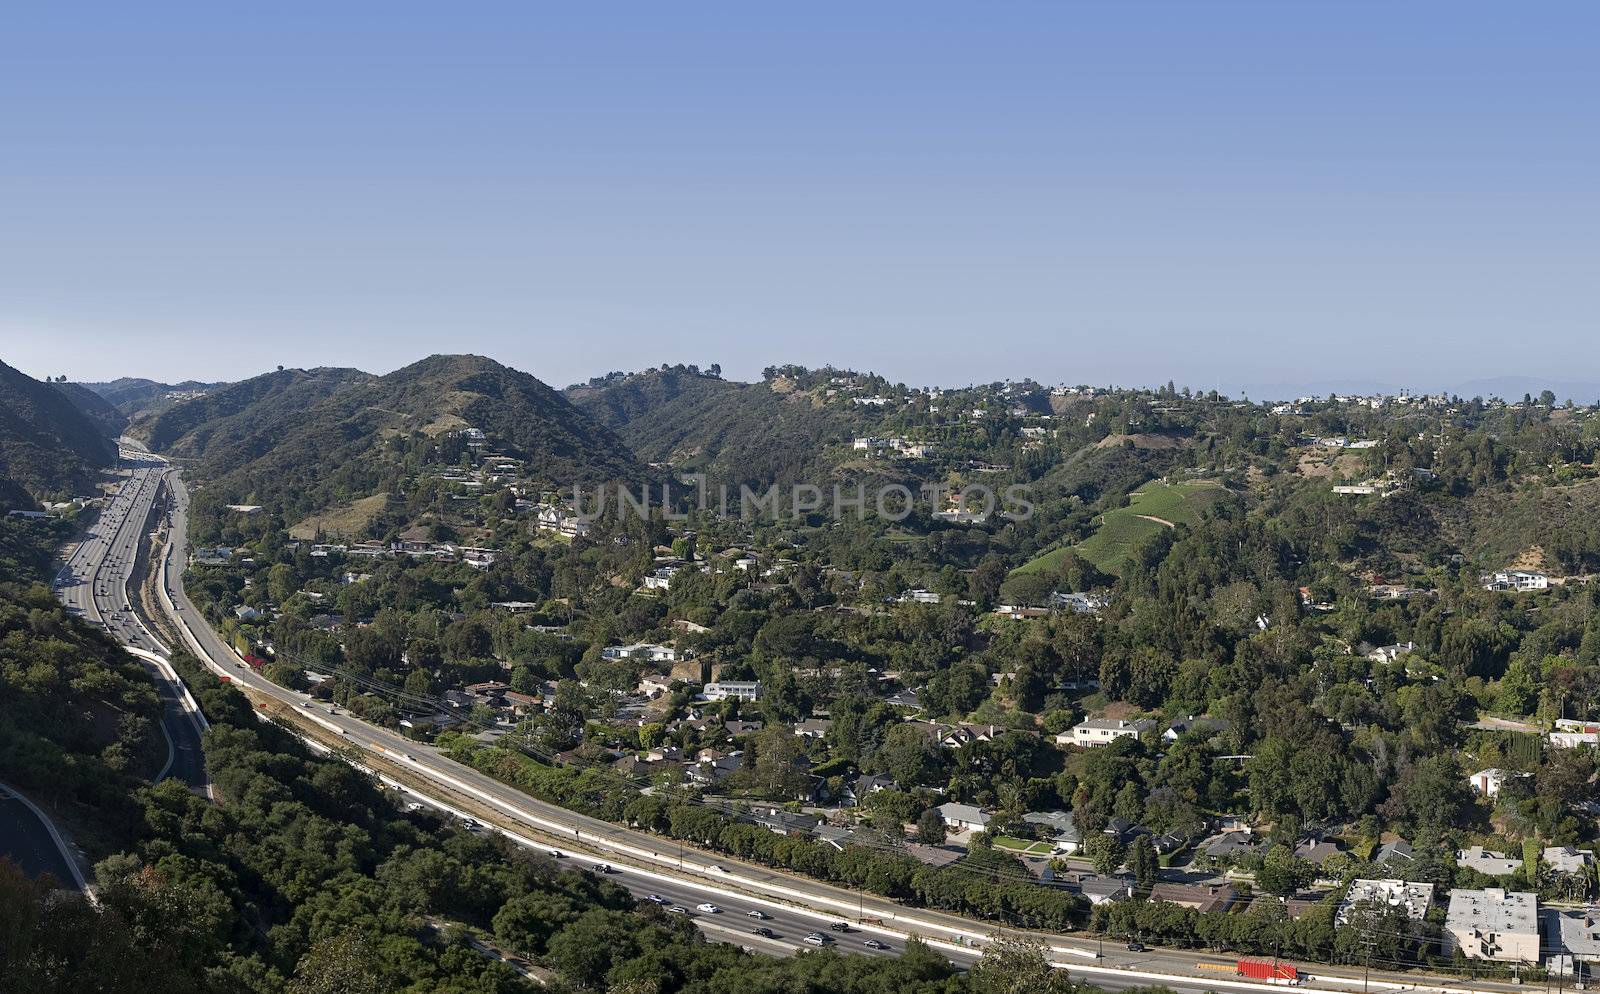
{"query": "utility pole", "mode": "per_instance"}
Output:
(1366, 970)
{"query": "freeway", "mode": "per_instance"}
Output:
(93, 583)
(647, 864)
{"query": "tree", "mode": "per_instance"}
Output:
(1282, 873)
(1142, 861)
(418, 684)
(931, 828)
(344, 963)
(1016, 966)
(1104, 851)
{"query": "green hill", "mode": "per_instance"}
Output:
(1122, 531)
(735, 433)
(95, 407)
(304, 439)
(47, 445)
(138, 397)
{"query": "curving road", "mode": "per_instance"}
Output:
(93, 583)
(29, 839)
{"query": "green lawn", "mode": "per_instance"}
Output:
(1022, 846)
(1122, 531)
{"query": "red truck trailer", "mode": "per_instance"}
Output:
(1266, 969)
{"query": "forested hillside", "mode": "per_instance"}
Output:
(94, 407)
(48, 447)
(136, 397)
(78, 716)
(300, 440)
(781, 430)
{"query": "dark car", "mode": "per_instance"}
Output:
(762, 930)
(1136, 947)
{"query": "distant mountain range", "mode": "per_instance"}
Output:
(134, 396)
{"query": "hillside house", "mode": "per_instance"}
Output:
(1101, 731)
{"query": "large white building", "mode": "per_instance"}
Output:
(1493, 924)
(741, 690)
(1517, 581)
(1101, 731)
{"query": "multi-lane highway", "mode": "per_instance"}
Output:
(93, 582)
(648, 865)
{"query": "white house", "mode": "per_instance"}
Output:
(1389, 653)
(963, 817)
(1570, 734)
(741, 690)
(641, 650)
(1517, 581)
(1063, 831)
(661, 579)
(1100, 731)
(1488, 782)
(1493, 924)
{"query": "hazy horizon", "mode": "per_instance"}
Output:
(1229, 195)
(1508, 387)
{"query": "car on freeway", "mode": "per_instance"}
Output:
(678, 909)
(1136, 947)
(558, 854)
(602, 868)
(840, 927)
(757, 914)
(875, 944)
(719, 867)
(816, 939)
(762, 930)
(708, 908)
(655, 899)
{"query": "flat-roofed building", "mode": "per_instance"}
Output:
(1493, 924)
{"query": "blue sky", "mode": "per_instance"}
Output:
(1226, 194)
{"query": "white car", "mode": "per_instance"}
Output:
(708, 908)
(678, 909)
(757, 914)
(816, 939)
(875, 944)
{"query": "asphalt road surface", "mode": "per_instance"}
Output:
(93, 584)
(26, 841)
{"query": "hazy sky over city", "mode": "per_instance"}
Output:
(1221, 193)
